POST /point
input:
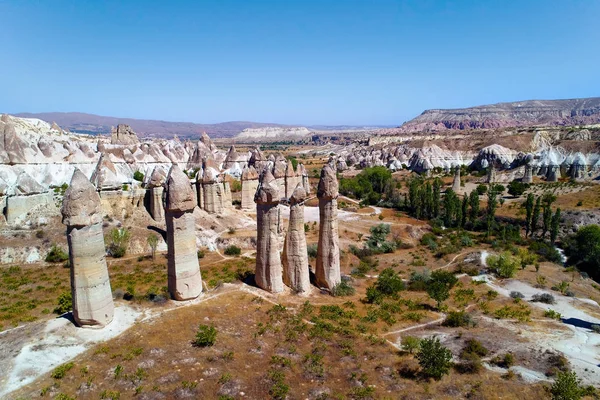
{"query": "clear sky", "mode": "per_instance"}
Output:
(287, 61)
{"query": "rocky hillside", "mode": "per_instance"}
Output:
(522, 113)
(273, 133)
(96, 124)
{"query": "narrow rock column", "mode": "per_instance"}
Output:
(528, 176)
(90, 284)
(295, 256)
(156, 187)
(552, 175)
(184, 279)
(327, 270)
(303, 177)
(212, 191)
(249, 186)
(456, 182)
(227, 200)
(268, 262)
(491, 174)
(279, 169)
(290, 180)
(199, 189)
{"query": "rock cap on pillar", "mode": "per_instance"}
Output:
(289, 170)
(249, 173)
(268, 190)
(299, 195)
(328, 185)
(157, 178)
(180, 196)
(81, 204)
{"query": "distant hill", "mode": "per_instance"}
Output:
(501, 115)
(96, 124)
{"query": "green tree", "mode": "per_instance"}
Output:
(439, 286)
(153, 243)
(528, 213)
(473, 207)
(492, 205)
(451, 206)
(583, 250)
(516, 188)
(504, 265)
(119, 239)
(435, 360)
(536, 215)
(464, 212)
(546, 219)
(554, 225)
(436, 195)
(567, 386)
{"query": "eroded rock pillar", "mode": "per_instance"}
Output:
(295, 257)
(456, 182)
(184, 279)
(268, 262)
(528, 175)
(249, 187)
(90, 284)
(327, 270)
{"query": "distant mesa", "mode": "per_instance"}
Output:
(503, 115)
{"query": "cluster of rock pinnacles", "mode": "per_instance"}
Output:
(90, 285)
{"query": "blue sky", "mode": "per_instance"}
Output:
(287, 61)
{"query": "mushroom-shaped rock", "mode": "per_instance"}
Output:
(180, 196)
(268, 274)
(155, 185)
(295, 257)
(184, 279)
(327, 270)
(90, 284)
(81, 203)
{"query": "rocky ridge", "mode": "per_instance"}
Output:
(500, 115)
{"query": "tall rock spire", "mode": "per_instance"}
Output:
(90, 284)
(328, 253)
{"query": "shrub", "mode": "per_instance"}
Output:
(545, 298)
(474, 346)
(470, 364)
(138, 176)
(481, 189)
(200, 254)
(232, 250)
(205, 336)
(418, 280)
(60, 371)
(410, 343)
(504, 265)
(457, 319)
(119, 239)
(547, 251)
(342, 289)
(552, 314)
(56, 255)
(389, 282)
(505, 361)
(65, 303)
(435, 360)
(312, 250)
(567, 386)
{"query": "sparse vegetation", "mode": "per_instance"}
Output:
(205, 336)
